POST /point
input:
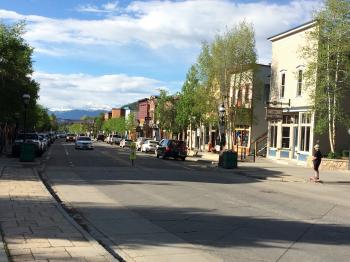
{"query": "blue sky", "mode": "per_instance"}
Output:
(103, 54)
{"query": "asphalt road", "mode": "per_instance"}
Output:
(167, 210)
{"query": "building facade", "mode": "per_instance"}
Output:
(142, 118)
(292, 136)
(118, 112)
(250, 98)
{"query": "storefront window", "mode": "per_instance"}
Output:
(285, 136)
(305, 118)
(273, 136)
(242, 137)
(305, 138)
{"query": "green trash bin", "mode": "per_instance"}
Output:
(229, 159)
(27, 152)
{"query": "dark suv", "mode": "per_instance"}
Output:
(171, 148)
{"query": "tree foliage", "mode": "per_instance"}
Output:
(15, 71)
(114, 125)
(166, 112)
(223, 66)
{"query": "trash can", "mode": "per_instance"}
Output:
(27, 152)
(228, 159)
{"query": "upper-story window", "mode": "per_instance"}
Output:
(283, 84)
(300, 82)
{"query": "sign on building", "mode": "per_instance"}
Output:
(274, 113)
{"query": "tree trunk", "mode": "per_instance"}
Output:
(330, 110)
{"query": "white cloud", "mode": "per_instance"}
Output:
(179, 24)
(72, 91)
(105, 8)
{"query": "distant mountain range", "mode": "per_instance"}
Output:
(76, 114)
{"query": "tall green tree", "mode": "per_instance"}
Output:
(130, 122)
(166, 112)
(327, 75)
(15, 71)
(186, 109)
(231, 53)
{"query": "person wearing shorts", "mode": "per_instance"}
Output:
(316, 160)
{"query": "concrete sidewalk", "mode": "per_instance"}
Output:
(34, 225)
(271, 170)
(268, 169)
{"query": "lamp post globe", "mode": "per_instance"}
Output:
(26, 98)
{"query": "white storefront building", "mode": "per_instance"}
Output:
(291, 137)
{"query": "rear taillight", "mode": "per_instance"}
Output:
(167, 149)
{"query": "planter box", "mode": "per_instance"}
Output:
(331, 164)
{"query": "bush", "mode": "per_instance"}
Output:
(345, 153)
(334, 155)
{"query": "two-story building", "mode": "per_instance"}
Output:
(292, 135)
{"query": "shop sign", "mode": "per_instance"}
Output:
(273, 113)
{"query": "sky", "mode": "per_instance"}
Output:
(99, 54)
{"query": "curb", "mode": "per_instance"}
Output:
(4, 255)
(85, 234)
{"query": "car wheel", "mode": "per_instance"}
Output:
(157, 156)
(183, 158)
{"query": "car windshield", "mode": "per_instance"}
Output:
(71, 134)
(84, 138)
(152, 142)
(118, 136)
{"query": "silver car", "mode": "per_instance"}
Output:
(83, 142)
(149, 146)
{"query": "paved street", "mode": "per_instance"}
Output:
(166, 210)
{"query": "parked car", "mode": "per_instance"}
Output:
(115, 139)
(171, 148)
(140, 141)
(61, 135)
(100, 137)
(71, 137)
(149, 146)
(108, 139)
(32, 138)
(45, 140)
(83, 142)
(125, 143)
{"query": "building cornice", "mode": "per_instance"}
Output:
(293, 31)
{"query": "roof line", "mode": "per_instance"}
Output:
(292, 29)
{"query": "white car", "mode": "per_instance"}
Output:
(140, 141)
(83, 142)
(149, 146)
(125, 143)
(115, 139)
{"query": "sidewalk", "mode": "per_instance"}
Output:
(268, 169)
(34, 225)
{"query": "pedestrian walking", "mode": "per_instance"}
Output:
(316, 160)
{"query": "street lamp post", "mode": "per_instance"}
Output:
(26, 98)
(222, 125)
